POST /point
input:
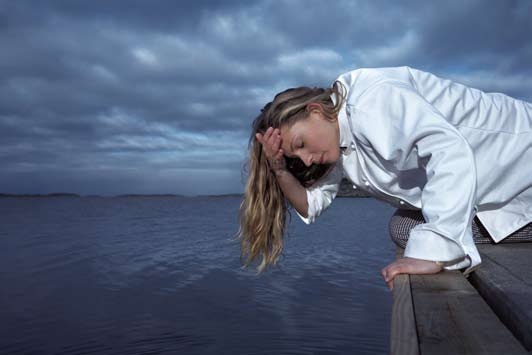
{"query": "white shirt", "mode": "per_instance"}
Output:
(422, 142)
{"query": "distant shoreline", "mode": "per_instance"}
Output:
(346, 190)
(55, 194)
(73, 195)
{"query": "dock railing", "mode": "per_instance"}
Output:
(444, 314)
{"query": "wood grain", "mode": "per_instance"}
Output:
(505, 281)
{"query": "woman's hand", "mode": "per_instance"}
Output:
(408, 266)
(271, 146)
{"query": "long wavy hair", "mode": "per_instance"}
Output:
(264, 208)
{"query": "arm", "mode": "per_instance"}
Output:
(293, 191)
(308, 203)
(400, 125)
(322, 193)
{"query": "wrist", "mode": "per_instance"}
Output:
(280, 172)
(277, 164)
(451, 262)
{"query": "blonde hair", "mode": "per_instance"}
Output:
(264, 208)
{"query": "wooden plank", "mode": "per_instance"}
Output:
(444, 314)
(452, 318)
(403, 335)
(403, 338)
(505, 281)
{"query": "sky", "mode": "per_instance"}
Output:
(151, 97)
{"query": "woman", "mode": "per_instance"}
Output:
(405, 136)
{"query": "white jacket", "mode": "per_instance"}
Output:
(421, 142)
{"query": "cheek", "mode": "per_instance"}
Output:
(335, 153)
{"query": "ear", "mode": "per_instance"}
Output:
(314, 106)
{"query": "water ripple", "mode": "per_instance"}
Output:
(154, 276)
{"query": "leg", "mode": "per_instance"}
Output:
(403, 221)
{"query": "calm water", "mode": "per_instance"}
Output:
(162, 276)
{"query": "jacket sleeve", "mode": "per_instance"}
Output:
(322, 193)
(400, 125)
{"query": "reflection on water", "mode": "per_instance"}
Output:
(162, 275)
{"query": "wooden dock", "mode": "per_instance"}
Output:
(488, 313)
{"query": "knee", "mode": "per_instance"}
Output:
(400, 224)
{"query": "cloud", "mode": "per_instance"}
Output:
(138, 92)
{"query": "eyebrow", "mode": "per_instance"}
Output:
(291, 148)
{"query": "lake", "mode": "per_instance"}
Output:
(162, 275)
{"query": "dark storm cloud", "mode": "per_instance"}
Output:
(479, 33)
(154, 96)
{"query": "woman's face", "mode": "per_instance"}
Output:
(313, 140)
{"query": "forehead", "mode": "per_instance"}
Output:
(292, 135)
(294, 129)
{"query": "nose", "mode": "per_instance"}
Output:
(307, 159)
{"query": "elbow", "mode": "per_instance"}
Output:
(302, 208)
(304, 211)
(306, 217)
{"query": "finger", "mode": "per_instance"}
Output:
(384, 273)
(394, 269)
(392, 273)
(259, 137)
(276, 142)
(387, 271)
(279, 138)
(268, 133)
